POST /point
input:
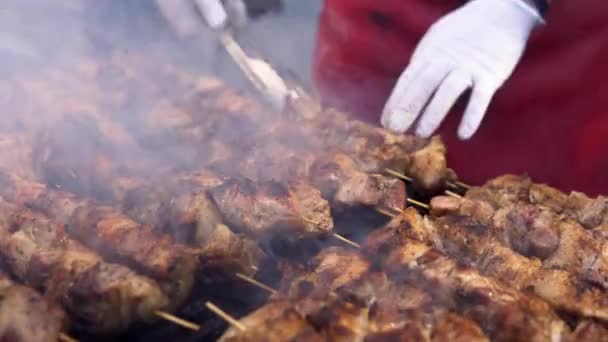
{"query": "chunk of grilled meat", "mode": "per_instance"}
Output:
(503, 313)
(185, 211)
(26, 316)
(274, 322)
(338, 176)
(268, 209)
(471, 243)
(422, 159)
(329, 270)
(535, 231)
(90, 169)
(110, 233)
(588, 331)
(365, 308)
(509, 189)
(339, 282)
(100, 297)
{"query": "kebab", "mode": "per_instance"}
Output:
(505, 190)
(110, 233)
(536, 232)
(25, 315)
(470, 242)
(370, 305)
(100, 297)
(210, 111)
(352, 305)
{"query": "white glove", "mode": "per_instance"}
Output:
(476, 46)
(189, 17)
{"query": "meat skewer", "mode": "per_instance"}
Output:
(482, 299)
(509, 189)
(116, 237)
(27, 316)
(353, 304)
(100, 297)
(469, 241)
(536, 232)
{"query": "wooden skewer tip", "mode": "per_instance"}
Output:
(419, 204)
(453, 194)
(256, 283)
(216, 310)
(398, 175)
(343, 239)
(385, 213)
(174, 319)
(66, 338)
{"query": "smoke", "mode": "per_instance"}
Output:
(44, 46)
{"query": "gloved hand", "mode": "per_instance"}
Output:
(190, 17)
(476, 46)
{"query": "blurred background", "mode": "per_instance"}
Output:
(35, 33)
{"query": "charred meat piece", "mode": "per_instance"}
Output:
(511, 189)
(501, 311)
(185, 211)
(275, 321)
(267, 209)
(110, 233)
(422, 159)
(25, 315)
(502, 191)
(100, 297)
(588, 331)
(337, 175)
(473, 244)
(535, 232)
(331, 269)
(340, 180)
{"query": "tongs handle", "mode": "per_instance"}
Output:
(262, 75)
(242, 60)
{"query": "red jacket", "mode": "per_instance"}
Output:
(550, 120)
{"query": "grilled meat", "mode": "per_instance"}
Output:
(26, 316)
(471, 243)
(422, 159)
(100, 297)
(535, 231)
(270, 208)
(113, 235)
(501, 311)
(509, 189)
(331, 269)
(359, 305)
(275, 321)
(588, 331)
(186, 212)
(338, 176)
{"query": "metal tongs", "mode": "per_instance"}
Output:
(259, 73)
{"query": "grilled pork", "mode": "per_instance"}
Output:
(110, 233)
(503, 313)
(536, 231)
(471, 243)
(100, 297)
(509, 189)
(26, 316)
(266, 209)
